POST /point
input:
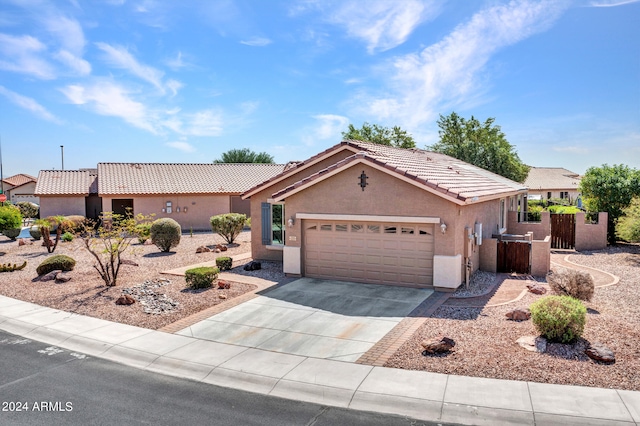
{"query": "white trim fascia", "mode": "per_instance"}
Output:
(367, 218)
(375, 166)
(306, 166)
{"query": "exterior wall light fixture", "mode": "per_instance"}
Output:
(291, 221)
(443, 228)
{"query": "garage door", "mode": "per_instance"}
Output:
(382, 253)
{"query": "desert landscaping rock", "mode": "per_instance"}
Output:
(203, 249)
(533, 343)
(63, 277)
(600, 352)
(536, 289)
(150, 296)
(439, 344)
(253, 266)
(521, 314)
(126, 300)
(51, 276)
(129, 262)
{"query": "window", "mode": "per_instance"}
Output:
(502, 215)
(357, 228)
(389, 229)
(409, 231)
(277, 224)
(341, 228)
(374, 229)
(548, 195)
(168, 207)
(273, 229)
(326, 227)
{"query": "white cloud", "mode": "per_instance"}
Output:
(28, 104)
(119, 57)
(330, 125)
(67, 31)
(182, 146)
(204, 123)
(174, 86)
(611, 3)
(256, 41)
(22, 54)
(177, 63)
(108, 98)
(381, 24)
(450, 72)
(77, 64)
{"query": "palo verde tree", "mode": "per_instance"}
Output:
(610, 189)
(481, 144)
(375, 133)
(108, 241)
(244, 155)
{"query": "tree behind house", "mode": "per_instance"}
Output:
(244, 155)
(375, 133)
(481, 144)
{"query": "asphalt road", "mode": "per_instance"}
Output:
(41, 384)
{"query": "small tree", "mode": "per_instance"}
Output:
(109, 241)
(375, 133)
(46, 226)
(244, 155)
(28, 210)
(228, 226)
(10, 218)
(628, 226)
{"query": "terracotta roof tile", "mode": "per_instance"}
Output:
(19, 179)
(552, 178)
(450, 176)
(64, 182)
(161, 178)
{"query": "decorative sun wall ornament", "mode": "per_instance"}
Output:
(363, 180)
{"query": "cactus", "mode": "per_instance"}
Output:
(7, 267)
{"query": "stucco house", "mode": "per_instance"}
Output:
(188, 193)
(371, 213)
(20, 187)
(545, 183)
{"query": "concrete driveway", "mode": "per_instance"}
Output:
(314, 318)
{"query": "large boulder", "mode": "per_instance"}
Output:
(533, 343)
(536, 289)
(438, 344)
(253, 266)
(600, 352)
(125, 299)
(519, 314)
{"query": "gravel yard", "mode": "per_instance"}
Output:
(86, 294)
(486, 340)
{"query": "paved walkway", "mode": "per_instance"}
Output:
(416, 394)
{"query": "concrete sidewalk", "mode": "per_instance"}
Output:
(417, 394)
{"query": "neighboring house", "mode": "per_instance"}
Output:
(545, 183)
(188, 193)
(377, 214)
(20, 187)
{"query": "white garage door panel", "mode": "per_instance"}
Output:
(384, 253)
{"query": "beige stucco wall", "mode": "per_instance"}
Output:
(540, 229)
(200, 208)
(489, 255)
(258, 250)
(591, 236)
(22, 193)
(64, 206)
(541, 257)
(555, 193)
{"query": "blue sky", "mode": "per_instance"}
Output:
(169, 81)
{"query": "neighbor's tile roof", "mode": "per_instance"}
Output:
(551, 178)
(19, 179)
(65, 182)
(448, 176)
(162, 178)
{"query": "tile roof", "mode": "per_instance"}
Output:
(445, 175)
(19, 179)
(551, 178)
(162, 178)
(64, 182)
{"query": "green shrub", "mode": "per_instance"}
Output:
(28, 209)
(67, 237)
(228, 226)
(224, 263)
(570, 282)
(73, 223)
(628, 226)
(564, 209)
(35, 232)
(165, 233)
(559, 318)
(202, 277)
(10, 218)
(54, 263)
(12, 233)
(143, 232)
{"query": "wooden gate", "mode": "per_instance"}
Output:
(563, 231)
(514, 256)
